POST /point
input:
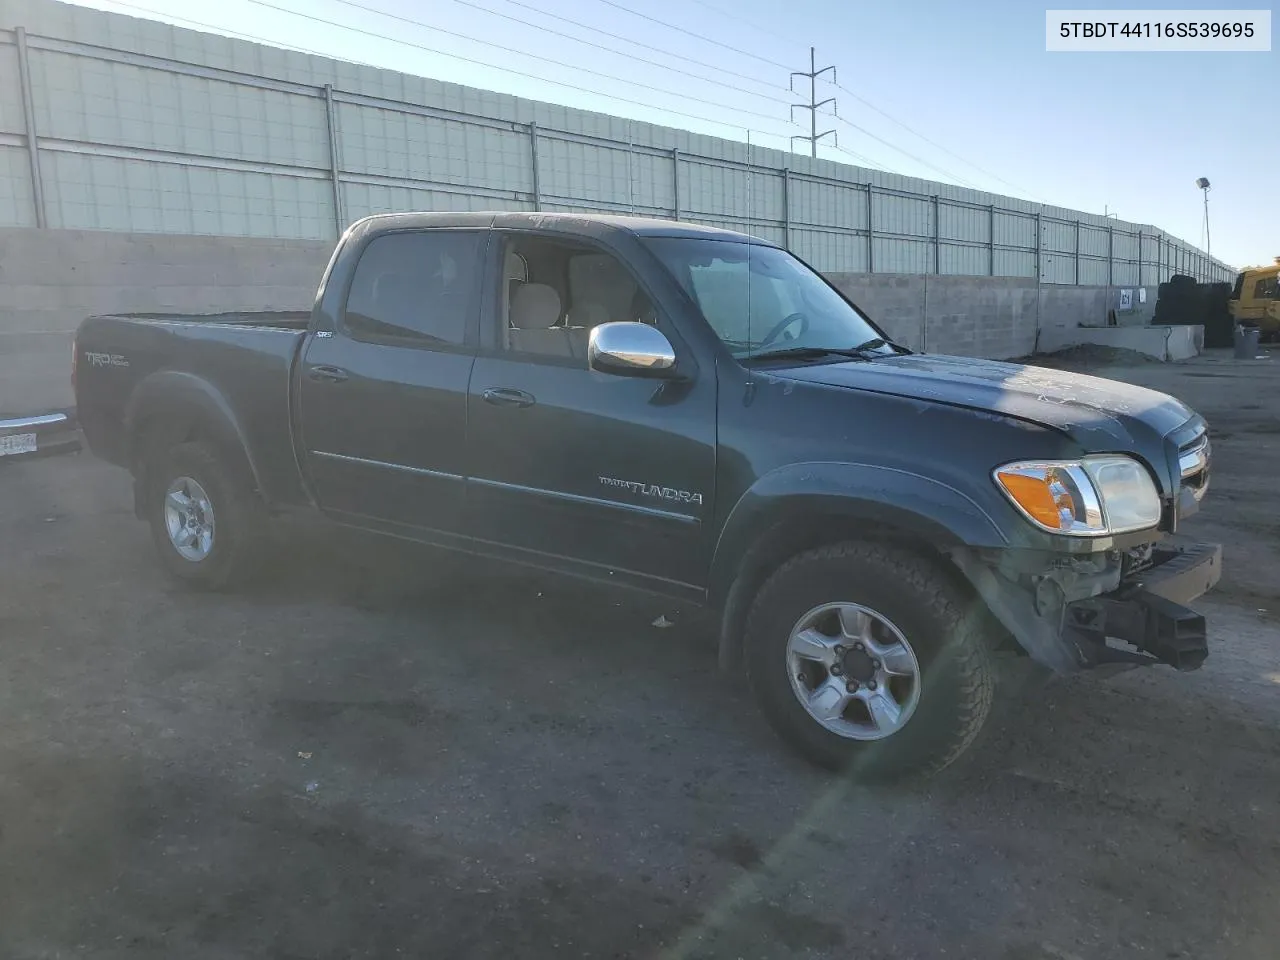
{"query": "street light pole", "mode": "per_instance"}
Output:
(1203, 184)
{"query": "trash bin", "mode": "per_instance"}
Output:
(1246, 342)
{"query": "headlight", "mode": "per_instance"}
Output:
(1083, 498)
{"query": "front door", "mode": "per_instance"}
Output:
(383, 400)
(608, 474)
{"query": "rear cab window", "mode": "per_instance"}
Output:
(416, 288)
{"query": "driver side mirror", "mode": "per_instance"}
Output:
(630, 349)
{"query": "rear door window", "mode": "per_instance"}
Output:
(416, 287)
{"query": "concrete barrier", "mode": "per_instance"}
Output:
(1163, 343)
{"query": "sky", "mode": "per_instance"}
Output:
(964, 93)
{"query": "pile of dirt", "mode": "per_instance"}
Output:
(1088, 355)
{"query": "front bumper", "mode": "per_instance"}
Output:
(1074, 618)
(1149, 612)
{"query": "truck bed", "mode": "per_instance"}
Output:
(241, 362)
(275, 319)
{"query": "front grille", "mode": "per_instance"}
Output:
(1193, 463)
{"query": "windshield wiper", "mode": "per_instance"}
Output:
(811, 353)
(877, 342)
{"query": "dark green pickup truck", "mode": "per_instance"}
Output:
(692, 412)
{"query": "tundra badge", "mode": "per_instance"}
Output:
(655, 490)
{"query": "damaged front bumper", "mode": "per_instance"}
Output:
(1076, 613)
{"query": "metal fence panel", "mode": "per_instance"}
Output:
(16, 206)
(363, 199)
(108, 193)
(815, 203)
(964, 223)
(1015, 263)
(830, 250)
(898, 255)
(91, 101)
(902, 216)
(1015, 230)
(11, 120)
(965, 260)
(144, 126)
(394, 143)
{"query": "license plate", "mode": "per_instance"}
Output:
(17, 443)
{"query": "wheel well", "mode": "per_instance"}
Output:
(782, 541)
(163, 430)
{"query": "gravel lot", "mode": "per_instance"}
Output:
(385, 751)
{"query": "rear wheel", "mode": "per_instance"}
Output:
(870, 658)
(205, 518)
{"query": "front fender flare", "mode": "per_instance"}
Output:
(886, 499)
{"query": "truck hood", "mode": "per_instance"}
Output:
(1100, 415)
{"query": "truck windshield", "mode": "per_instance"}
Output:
(761, 300)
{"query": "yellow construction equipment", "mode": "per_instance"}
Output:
(1255, 301)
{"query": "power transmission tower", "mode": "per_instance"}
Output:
(813, 104)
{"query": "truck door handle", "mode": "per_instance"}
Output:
(509, 397)
(326, 373)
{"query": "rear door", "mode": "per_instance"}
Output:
(383, 397)
(601, 473)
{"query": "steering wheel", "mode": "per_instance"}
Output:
(782, 325)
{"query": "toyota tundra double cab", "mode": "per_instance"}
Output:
(692, 412)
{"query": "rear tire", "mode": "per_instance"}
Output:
(206, 520)
(914, 683)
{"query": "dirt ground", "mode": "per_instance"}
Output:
(384, 752)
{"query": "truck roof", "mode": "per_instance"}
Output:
(588, 223)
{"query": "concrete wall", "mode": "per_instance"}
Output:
(138, 126)
(50, 280)
(997, 317)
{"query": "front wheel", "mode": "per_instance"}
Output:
(871, 659)
(206, 520)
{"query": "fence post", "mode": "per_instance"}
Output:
(1039, 266)
(1139, 283)
(936, 232)
(1111, 259)
(335, 176)
(29, 114)
(991, 240)
(1077, 266)
(533, 154)
(786, 208)
(675, 181)
(871, 230)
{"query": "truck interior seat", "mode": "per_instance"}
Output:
(535, 315)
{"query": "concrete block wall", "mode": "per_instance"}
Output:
(50, 280)
(996, 317)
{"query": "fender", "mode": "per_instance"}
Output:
(184, 400)
(883, 497)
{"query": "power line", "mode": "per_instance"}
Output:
(695, 34)
(928, 140)
(644, 46)
(738, 17)
(907, 153)
(569, 36)
(223, 31)
(506, 49)
(857, 156)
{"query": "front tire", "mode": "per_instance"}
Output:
(870, 659)
(206, 520)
